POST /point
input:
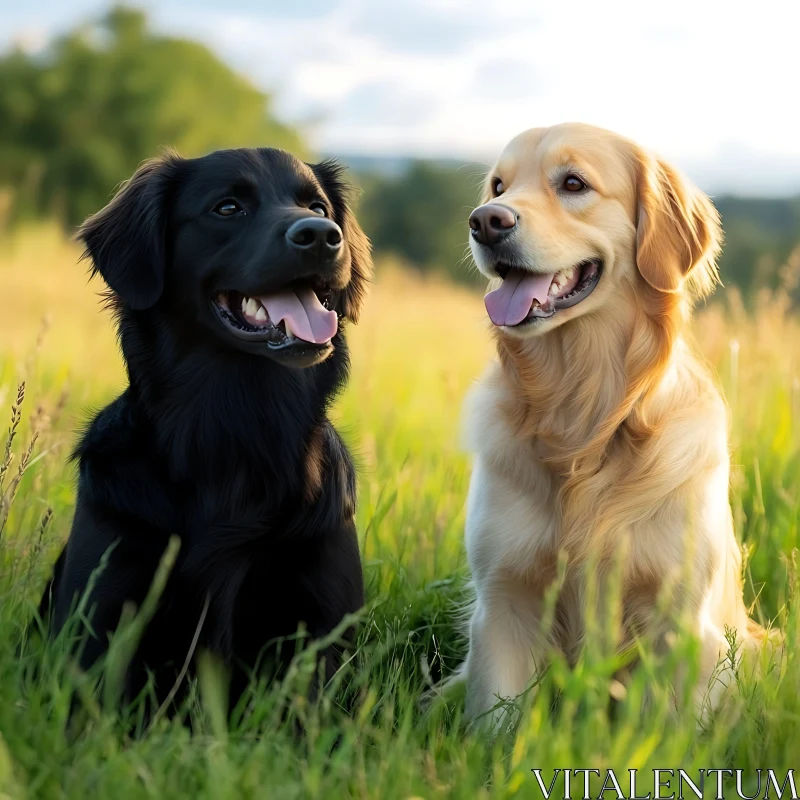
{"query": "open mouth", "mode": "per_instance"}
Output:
(525, 297)
(297, 320)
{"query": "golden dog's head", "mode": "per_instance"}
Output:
(572, 216)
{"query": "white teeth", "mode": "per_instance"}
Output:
(252, 307)
(560, 280)
(261, 314)
(244, 305)
(289, 331)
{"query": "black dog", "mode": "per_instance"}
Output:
(229, 275)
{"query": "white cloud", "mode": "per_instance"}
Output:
(701, 81)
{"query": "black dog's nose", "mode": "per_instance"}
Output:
(491, 223)
(315, 233)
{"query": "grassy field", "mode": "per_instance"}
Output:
(420, 346)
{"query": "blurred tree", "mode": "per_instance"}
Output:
(79, 119)
(421, 215)
(760, 233)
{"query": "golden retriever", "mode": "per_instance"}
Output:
(599, 438)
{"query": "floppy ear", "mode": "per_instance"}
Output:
(126, 240)
(678, 234)
(329, 174)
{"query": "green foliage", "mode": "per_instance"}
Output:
(79, 119)
(760, 234)
(421, 215)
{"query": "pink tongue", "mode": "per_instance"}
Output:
(307, 317)
(510, 304)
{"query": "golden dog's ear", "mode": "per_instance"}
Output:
(678, 233)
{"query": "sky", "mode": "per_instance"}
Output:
(710, 85)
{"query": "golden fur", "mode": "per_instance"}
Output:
(597, 433)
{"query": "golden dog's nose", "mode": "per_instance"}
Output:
(491, 223)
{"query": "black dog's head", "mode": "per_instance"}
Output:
(254, 246)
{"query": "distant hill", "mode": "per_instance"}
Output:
(760, 233)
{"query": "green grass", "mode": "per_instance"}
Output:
(401, 418)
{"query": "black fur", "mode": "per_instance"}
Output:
(215, 439)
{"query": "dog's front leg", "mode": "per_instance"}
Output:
(505, 535)
(507, 648)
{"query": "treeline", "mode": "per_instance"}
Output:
(80, 117)
(77, 119)
(420, 215)
(762, 241)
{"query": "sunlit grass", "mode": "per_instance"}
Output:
(417, 350)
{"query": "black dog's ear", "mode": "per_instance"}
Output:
(329, 174)
(126, 240)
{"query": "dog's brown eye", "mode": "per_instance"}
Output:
(497, 187)
(227, 208)
(318, 208)
(572, 183)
